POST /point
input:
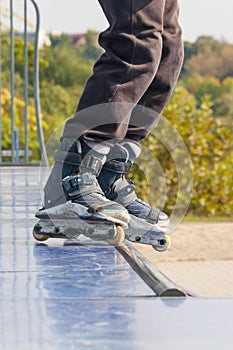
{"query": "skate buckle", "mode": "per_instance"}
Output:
(71, 183)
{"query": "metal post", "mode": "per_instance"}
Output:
(12, 54)
(36, 87)
(16, 145)
(25, 84)
(0, 86)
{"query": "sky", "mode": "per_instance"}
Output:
(198, 17)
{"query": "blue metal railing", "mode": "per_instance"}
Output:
(16, 155)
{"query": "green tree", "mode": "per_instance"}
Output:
(65, 67)
(57, 104)
(91, 49)
(209, 57)
(60, 40)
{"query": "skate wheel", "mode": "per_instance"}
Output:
(40, 237)
(119, 238)
(164, 244)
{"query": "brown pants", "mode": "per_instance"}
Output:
(133, 80)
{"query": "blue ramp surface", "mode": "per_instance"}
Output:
(70, 295)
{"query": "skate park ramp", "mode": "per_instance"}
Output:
(86, 295)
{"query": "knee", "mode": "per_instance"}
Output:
(133, 48)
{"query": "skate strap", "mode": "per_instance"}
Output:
(93, 163)
(117, 166)
(78, 185)
(123, 192)
(153, 216)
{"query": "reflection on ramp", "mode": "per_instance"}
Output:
(70, 295)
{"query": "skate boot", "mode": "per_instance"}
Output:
(146, 225)
(115, 186)
(73, 178)
(72, 192)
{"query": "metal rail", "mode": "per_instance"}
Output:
(158, 282)
(15, 155)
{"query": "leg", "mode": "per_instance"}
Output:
(133, 45)
(133, 49)
(158, 93)
(112, 178)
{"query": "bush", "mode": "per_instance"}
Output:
(209, 144)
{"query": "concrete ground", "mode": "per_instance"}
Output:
(200, 258)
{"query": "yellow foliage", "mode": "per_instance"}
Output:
(19, 118)
(210, 148)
